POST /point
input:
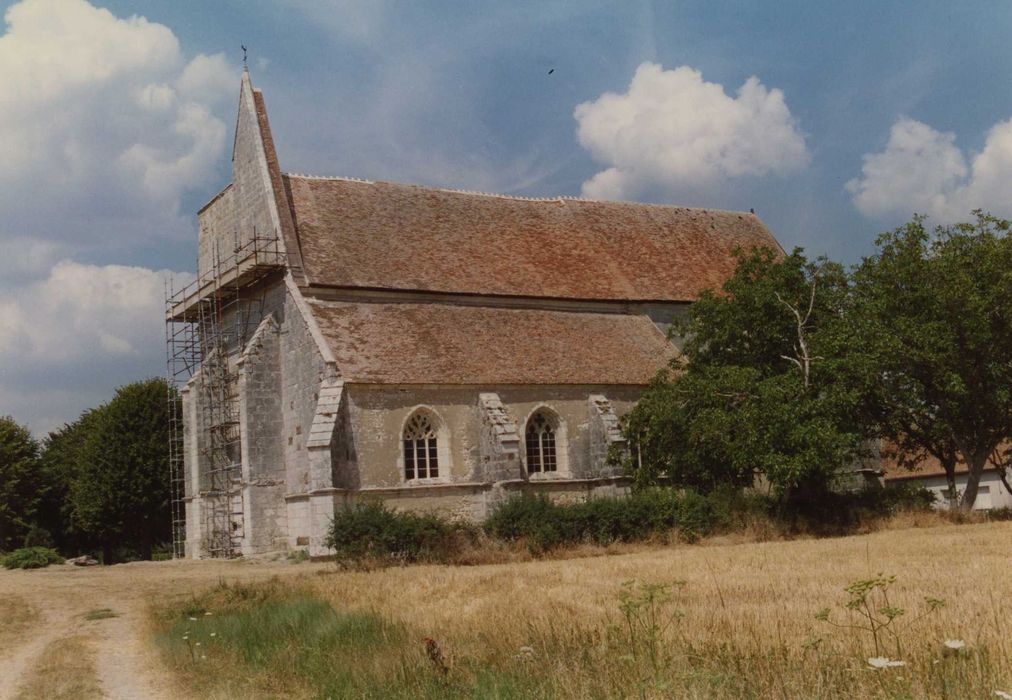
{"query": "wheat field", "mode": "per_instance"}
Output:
(739, 620)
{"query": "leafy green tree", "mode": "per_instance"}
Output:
(754, 393)
(58, 468)
(930, 344)
(121, 491)
(19, 461)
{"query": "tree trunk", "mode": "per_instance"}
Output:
(107, 556)
(949, 465)
(1004, 478)
(976, 464)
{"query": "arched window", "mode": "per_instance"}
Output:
(540, 440)
(421, 455)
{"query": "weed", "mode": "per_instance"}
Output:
(869, 602)
(100, 614)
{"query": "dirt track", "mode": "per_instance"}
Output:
(126, 663)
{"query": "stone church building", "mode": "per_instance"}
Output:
(439, 349)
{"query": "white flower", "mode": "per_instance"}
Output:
(525, 653)
(193, 619)
(214, 634)
(1003, 695)
(207, 614)
(954, 643)
(883, 662)
(196, 644)
(185, 637)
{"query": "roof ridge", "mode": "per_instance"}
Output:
(500, 195)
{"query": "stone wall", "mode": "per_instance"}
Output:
(247, 207)
(378, 415)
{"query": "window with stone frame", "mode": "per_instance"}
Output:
(540, 443)
(421, 453)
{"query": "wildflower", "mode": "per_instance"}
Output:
(196, 644)
(954, 644)
(214, 634)
(185, 637)
(207, 614)
(193, 619)
(878, 662)
(1003, 695)
(436, 655)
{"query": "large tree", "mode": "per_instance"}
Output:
(19, 459)
(121, 489)
(58, 469)
(753, 393)
(930, 343)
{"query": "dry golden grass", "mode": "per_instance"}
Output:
(64, 671)
(15, 617)
(747, 624)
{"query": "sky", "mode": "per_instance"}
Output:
(833, 121)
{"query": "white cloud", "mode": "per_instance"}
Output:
(922, 170)
(107, 120)
(673, 130)
(97, 324)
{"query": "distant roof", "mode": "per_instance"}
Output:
(408, 343)
(928, 467)
(380, 235)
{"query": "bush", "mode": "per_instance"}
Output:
(371, 531)
(544, 524)
(31, 558)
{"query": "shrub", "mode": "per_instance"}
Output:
(31, 558)
(371, 531)
(544, 524)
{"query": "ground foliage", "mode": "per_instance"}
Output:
(31, 558)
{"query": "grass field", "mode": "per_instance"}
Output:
(708, 620)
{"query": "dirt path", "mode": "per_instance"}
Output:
(126, 662)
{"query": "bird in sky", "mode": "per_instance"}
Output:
(551, 71)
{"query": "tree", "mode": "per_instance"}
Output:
(121, 491)
(58, 469)
(19, 457)
(930, 337)
(753, 393)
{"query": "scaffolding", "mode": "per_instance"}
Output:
(207, 324)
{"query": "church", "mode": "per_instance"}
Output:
(441, 350)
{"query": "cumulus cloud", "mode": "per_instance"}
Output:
(673, 130)
(108, 119)
(105, 125)
(81, 329)
(922, 170)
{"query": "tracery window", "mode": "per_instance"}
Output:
(540, 441)
(421, 456)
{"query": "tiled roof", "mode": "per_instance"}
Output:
(380, 235)
(923, 469)
(408, 343)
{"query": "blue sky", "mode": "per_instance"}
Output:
(835, 121)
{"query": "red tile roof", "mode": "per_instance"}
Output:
(928, 467)
(408, 343)
(388, 236)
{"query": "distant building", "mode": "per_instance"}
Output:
(990, 494)
(435, 348)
